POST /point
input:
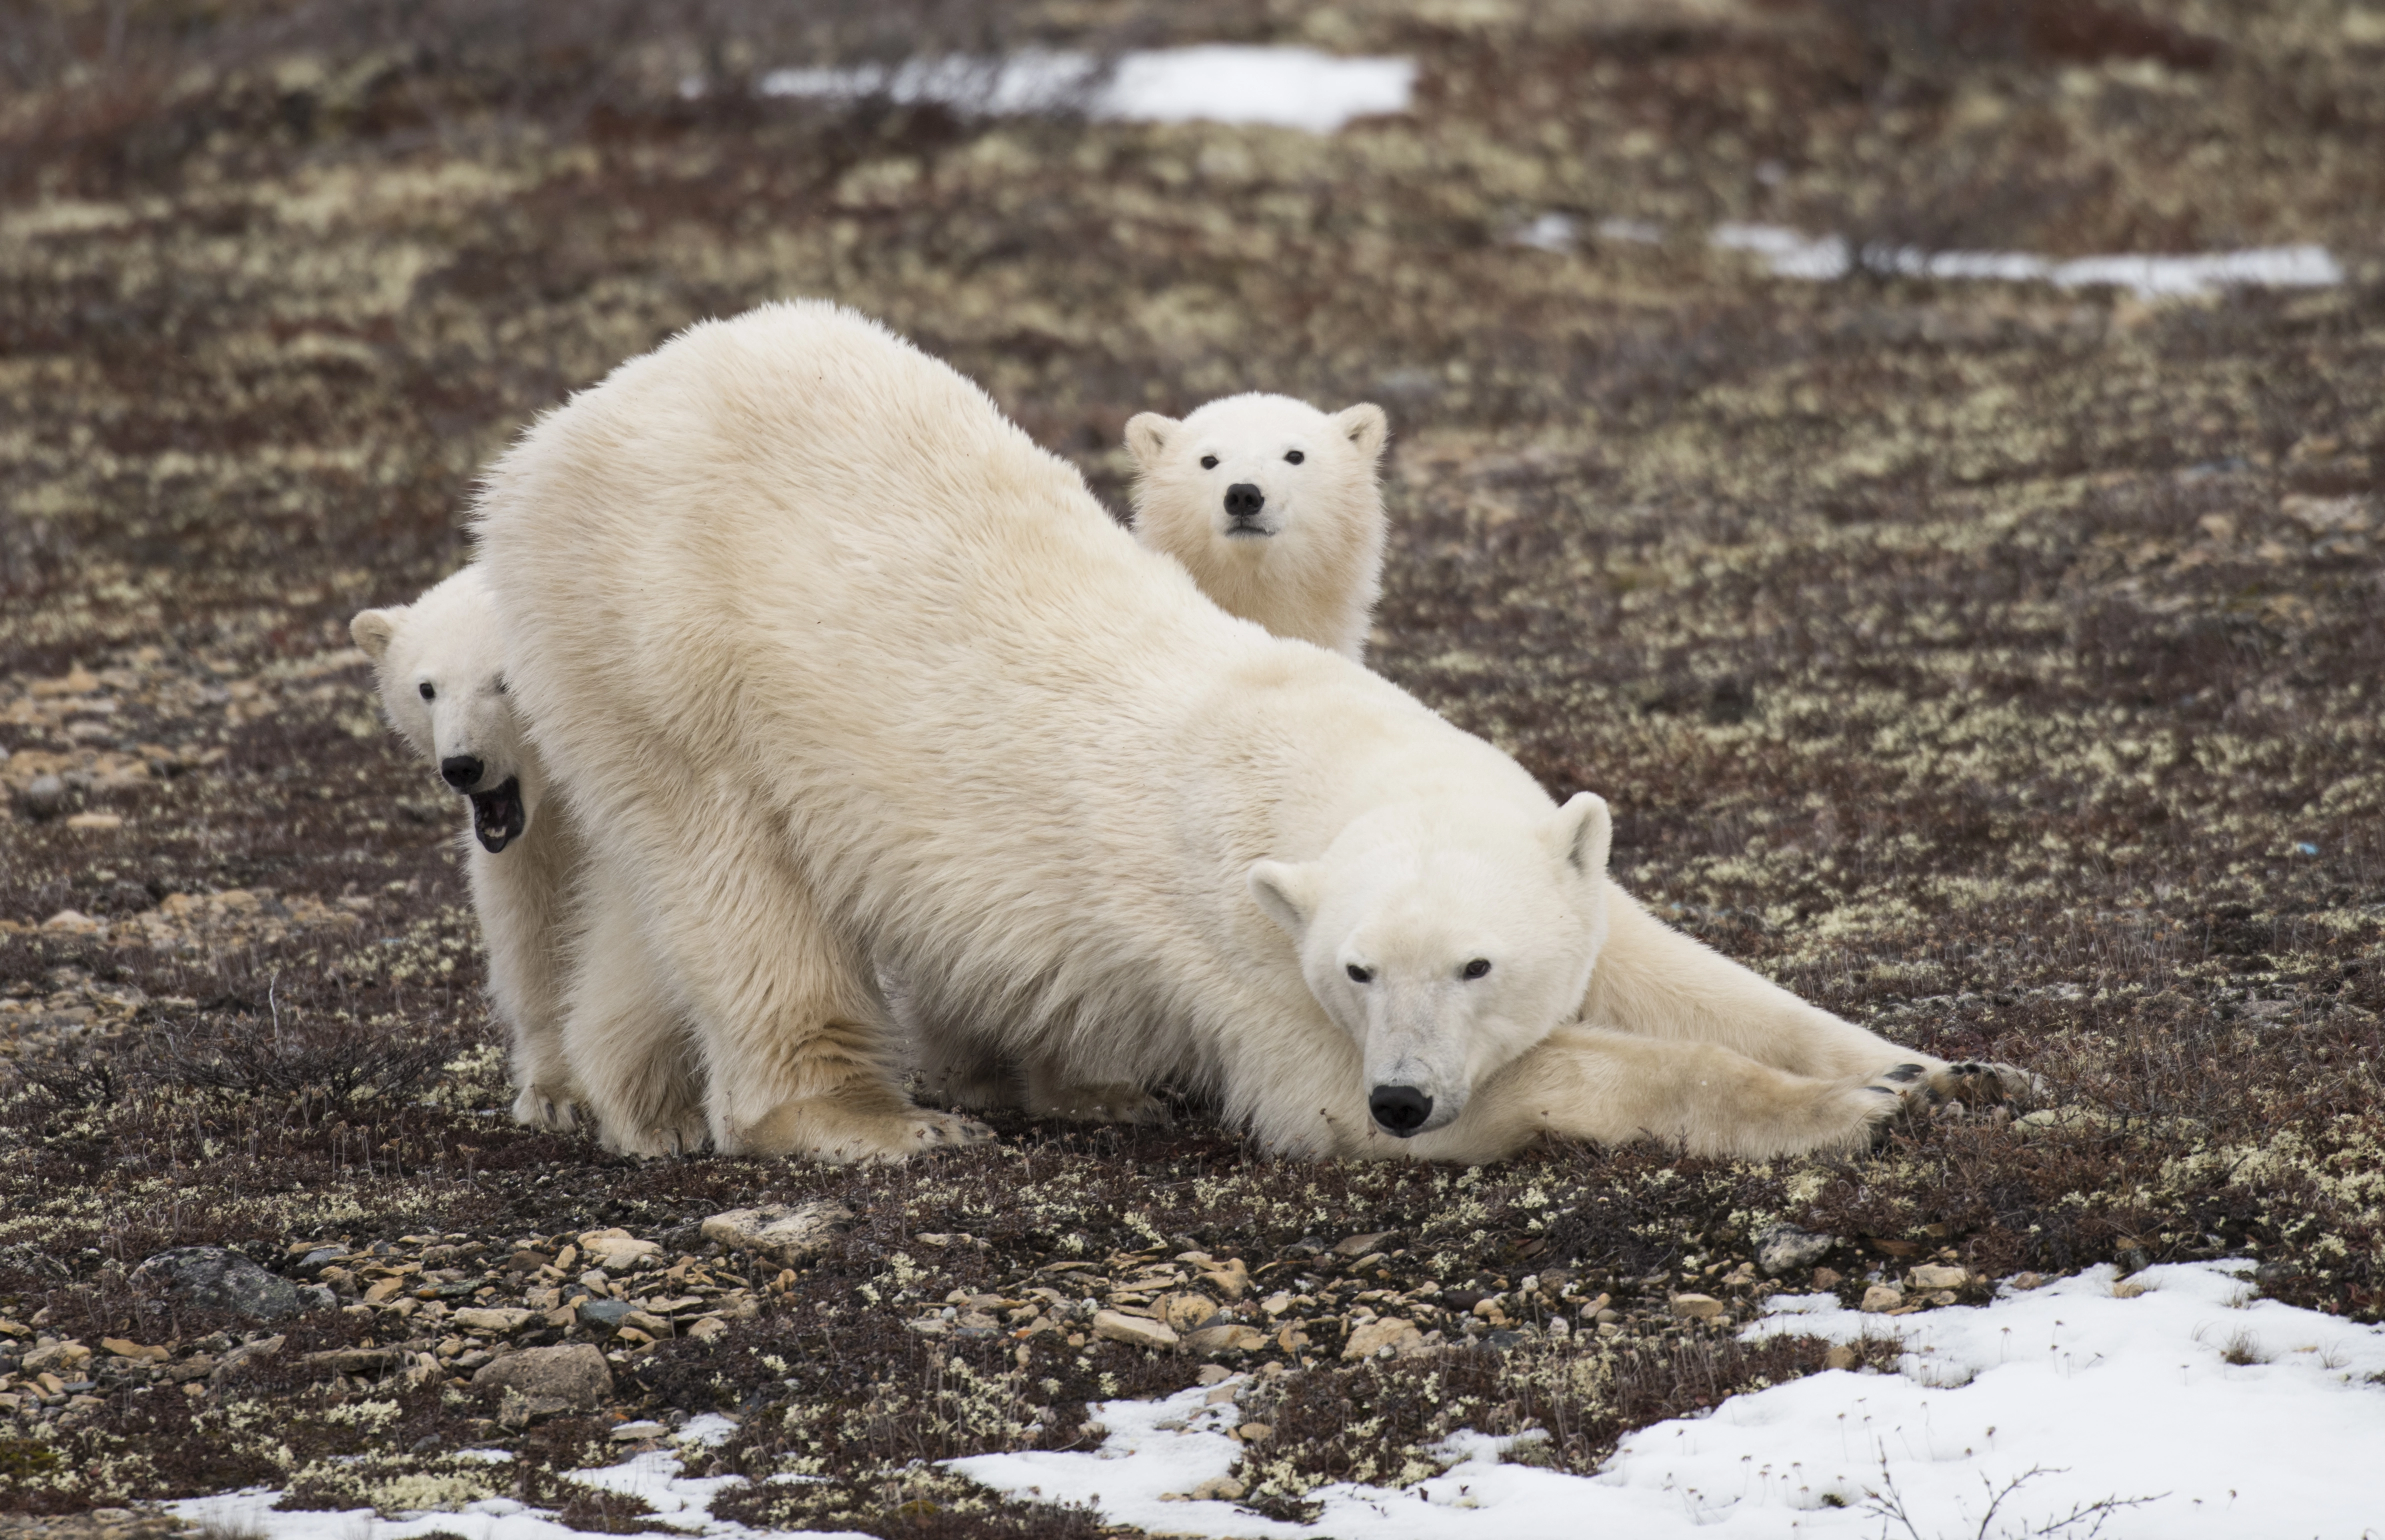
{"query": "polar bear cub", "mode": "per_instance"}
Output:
(1274, 508)
(438, 664)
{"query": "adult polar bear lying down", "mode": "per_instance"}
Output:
(842, 670)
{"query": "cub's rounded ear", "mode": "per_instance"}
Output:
(1582, 832)
(1287, 893)
(1366, 426)
(373, 630)
(1147, 434)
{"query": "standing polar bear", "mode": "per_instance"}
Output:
(842, 673)
(438, 664)
(1273, 508)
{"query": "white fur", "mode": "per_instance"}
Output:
(449, 641)
(852, 676)
(1308, 563)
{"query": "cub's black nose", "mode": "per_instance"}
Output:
(459, 770)
(1245, 500)
(1400, 1109)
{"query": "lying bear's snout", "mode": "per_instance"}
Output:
(1244, 501)
(460, 771)
(1402, 1110)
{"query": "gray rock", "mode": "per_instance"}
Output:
(45, 796)
(606, 1313)
(573, 1377)
(786, 1234)
(315, 1296)
(213, 1278)
(1786, 1248)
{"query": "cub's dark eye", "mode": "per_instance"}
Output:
(427, 693)
(501, 684)
(1209, 462)
(1296, 456)
(1358, 974)
(1477, 968)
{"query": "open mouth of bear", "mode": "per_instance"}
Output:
(497, 816)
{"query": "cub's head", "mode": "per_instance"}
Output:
(1251, 471)
(439, 664)
(1446, 942)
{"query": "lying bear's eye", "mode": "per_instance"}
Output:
(1477, 968)
(1358, 974)
(501, 684)
(1296, 456)
(1209, 462)
(427, 693)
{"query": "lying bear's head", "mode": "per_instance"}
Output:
(1252, 470)
(1446, 942)
(439, 662)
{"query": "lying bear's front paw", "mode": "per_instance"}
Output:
(1971, 1085)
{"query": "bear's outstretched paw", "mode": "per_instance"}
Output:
(1972, 1083)
(1114, 1102)
(546, 1107)
(1892, 1091)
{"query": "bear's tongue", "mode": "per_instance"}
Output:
(497, 815)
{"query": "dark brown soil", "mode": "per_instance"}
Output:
(1996, 664)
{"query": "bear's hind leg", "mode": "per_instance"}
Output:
(800, 1056)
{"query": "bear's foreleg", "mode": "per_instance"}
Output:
(800, 1055)
(1611, 1087)
(1652, 981)
(521, 897)
(625, 1033)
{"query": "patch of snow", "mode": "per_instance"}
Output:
(1638, 233)
(708, 1431)
(1294, 88)
(1792, 253)
(1549, 232)
(2060, 1399)
(1561, 233)
(681, 1505)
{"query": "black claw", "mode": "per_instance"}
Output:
(1903, 1073)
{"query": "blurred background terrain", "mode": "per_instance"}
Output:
(1996, 663)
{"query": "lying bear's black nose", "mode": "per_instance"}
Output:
(1400, 1109)
(459, 770)
(1244, 501)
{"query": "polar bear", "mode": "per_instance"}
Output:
(1273, 508)
(438, 664)
(844, 674)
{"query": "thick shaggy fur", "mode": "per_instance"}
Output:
(850, 675)
(439, 666)
(1273, 508)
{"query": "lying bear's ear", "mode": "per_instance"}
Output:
(1287, 893)
(1146, 437)
(1366, 426)
(373, 632)
(1582, 832)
